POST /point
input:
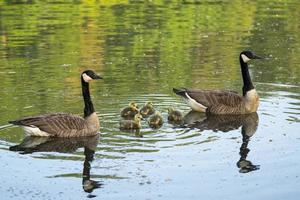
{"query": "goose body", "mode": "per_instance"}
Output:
(130, 111)
(156, 120)
(174, 116)
(131, 124)
(147, 110)
(223, 101)
(65, 124)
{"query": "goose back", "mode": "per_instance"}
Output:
(129, 112)
(223, 101)
(155, 121)
(62, 124)
(214, 97)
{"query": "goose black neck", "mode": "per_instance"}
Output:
(88, 105)
(246, 77)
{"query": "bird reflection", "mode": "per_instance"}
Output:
(225, 123)
(65, 145)
(136, 132)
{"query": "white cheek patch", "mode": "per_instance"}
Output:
(245, 58)
(86, 78)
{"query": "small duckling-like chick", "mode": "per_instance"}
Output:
(174, 116)
(156, 120)
(130, 111)
(147, 110)
(132, 124)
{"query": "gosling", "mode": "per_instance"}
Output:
(130, 111)
(175, 116)
(134, 124)
(156, 120)
(147, 110)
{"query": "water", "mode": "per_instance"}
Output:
(143, 50)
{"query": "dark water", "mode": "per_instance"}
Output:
(143, 50)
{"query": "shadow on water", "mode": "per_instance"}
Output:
(136, 132)
(226, 123)
(65, 145)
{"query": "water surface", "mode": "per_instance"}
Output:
(143, 50)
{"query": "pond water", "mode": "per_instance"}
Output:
(143, 49)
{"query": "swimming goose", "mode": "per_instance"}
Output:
(64, 124)
(131, 124)
(174, 116)
(156, 120)
(130, 111)
(225, 102)
(147, 110)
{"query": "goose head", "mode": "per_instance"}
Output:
(171, 110)
(149, 104)
(246, 56)
(133, 105)
(157, 113)
(138, 117)
(89, 75)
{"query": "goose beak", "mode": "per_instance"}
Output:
(97, 77)
(257, 57)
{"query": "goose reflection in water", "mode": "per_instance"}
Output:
(226, 123)
(65, 145)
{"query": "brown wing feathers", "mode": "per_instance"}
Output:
(53, 124)
(216, 101)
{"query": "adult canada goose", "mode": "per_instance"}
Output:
(131, 124)
(130, 111)
(147, 110)
(225, 102)
(64, 124)
(156, 120)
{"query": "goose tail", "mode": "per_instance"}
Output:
(20, 122)
(16, 122)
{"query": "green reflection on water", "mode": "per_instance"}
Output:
(143, 49)
(140, 49)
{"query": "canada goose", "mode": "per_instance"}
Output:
(64, 124)
(130, 111)
(225, 102)
(131, 124)
(147, 110)
(156, 120)
(174, 116)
